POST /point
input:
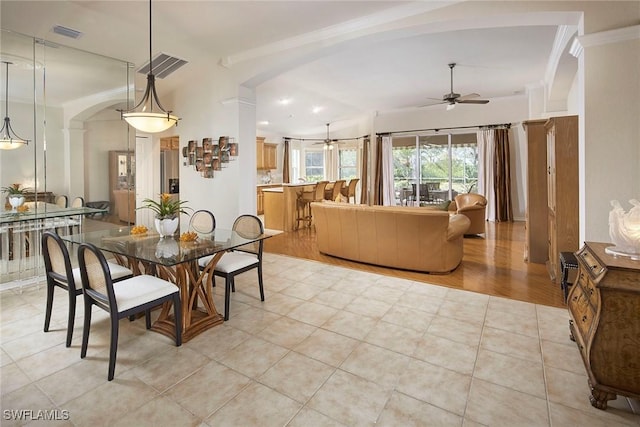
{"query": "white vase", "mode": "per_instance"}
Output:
(166, 226)
(167, 248)
(16, 201)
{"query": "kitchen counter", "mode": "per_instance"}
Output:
(281, 205)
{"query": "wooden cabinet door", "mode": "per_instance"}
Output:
(271, 156)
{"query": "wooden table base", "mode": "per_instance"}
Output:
(196, 295)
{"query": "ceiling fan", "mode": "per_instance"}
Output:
(452, 98)
(328, 142)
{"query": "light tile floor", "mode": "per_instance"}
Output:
(329, 347)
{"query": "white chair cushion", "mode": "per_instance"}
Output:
(117, 272)
(202, 262)
(139, 290)
(234, 261)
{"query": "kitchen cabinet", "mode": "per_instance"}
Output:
(260, 196)
(603, 306)
(266, 154)
(170, 143)
(122, 179)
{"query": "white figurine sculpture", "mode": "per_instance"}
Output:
(624, 230)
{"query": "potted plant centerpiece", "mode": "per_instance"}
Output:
(15, 195)
(167, 211)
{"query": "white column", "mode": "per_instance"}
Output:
(74, 170)
(609, 144)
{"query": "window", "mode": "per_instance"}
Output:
(314, 165)
(347, 163)
(443, 165)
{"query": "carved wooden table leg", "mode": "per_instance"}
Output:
(196, 295)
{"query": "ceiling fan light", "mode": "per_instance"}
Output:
(451, 106)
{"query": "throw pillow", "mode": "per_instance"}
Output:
(443, 206)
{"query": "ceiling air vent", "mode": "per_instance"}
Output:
(162, 65)
(67, 32)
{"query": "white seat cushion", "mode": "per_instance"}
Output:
(139, 290)
(234, 261)
(117, 272)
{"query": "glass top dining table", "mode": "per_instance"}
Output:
(166, 251)
(175, 261)
(41, 210)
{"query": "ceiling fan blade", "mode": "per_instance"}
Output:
(468, 96)
(473, 101)
(435, 103)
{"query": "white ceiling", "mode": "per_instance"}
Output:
(328, 64)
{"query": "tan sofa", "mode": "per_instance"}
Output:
(409, 238)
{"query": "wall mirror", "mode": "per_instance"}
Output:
(64, 101)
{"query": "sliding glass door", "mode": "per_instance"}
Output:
(431, 169)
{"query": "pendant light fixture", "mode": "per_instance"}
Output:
(8, 138)
(150, 118)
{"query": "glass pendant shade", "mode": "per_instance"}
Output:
(150, 122)
(8, 138)
(147, 118)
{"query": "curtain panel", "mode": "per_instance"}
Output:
(377, 178)
(486, 170)
(364, 174)
(285, 163)
(502, 181)
(494, 173)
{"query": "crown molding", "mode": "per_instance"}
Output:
(604, 37)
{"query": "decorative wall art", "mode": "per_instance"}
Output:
(210, 156)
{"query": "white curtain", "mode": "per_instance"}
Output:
(389, 192)
(486, 170)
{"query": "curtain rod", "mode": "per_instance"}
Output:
(323, 140)
(502, 125)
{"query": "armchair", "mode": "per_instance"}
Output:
(474, 207)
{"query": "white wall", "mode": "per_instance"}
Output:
(210, 107)
(610, 140)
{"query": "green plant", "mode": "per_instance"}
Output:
(14, 190)
(167, 208)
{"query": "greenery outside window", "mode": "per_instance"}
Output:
(347, 163)
(314, 165)
(443, 165)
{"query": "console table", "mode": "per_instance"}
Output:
(604, 306)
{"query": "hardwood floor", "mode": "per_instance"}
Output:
(491, 265)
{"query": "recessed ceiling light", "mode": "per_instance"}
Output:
(284, 101)
(264, 122)
(316, 109)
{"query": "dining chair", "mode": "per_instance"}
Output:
(58, 272)
(350, 190)
(78, 202)
(74, 222)
(62, 201)
(138, 294)
(202, 221)
(241, 259)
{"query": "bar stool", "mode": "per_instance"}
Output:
(568, 261)
(304, 200)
